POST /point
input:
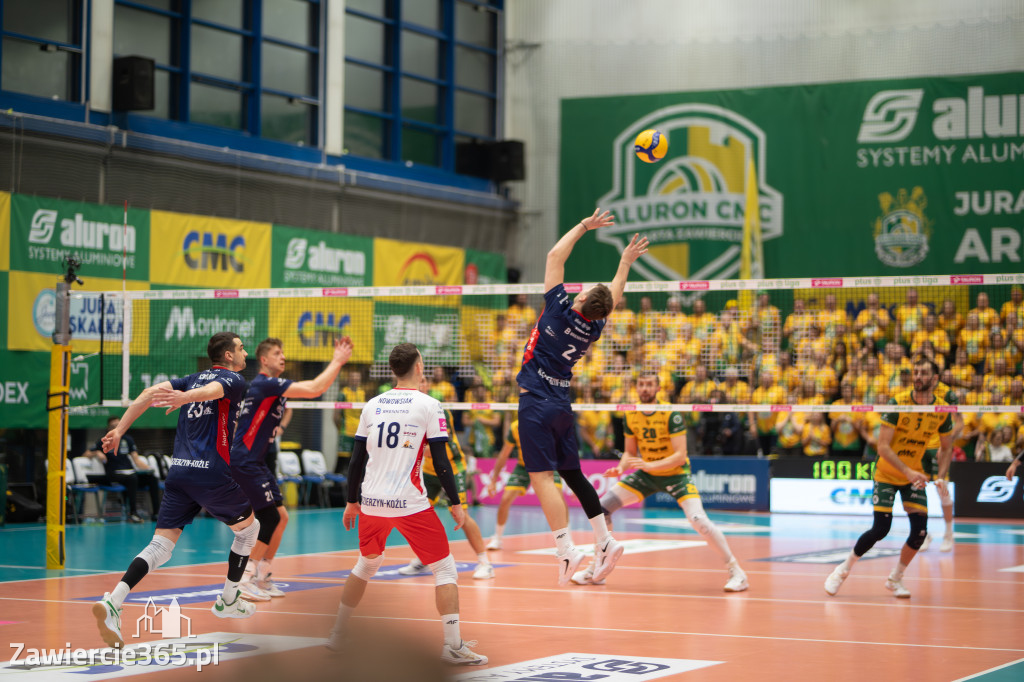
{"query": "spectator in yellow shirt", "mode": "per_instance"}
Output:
(873, 322)
(690, 349)
(977, 395)
(962, 371)
(816, 436)
(621, 325)
(347, 421)
(814, 343)
(833, 320)
(735, 389)
(998, 381)
(440, 388)
(672, 319)
(595, 428)
(950, 321)
(909, 318)
(974, 339)
(765, 324)
(931, 332)
(789, 376)
(872, 387)
(698, 390)
(704, 323)
(826, 383)
(846, 427)
(1014, 308)
(998, 350)
(797, 323)
(521, 317)
(648, 319)
(1016, 394)
(927, 349)
(762, 424)
(987, 315)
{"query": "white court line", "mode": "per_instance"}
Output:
(44, 568)
(990, 670)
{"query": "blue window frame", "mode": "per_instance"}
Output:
(41, 48)
(251, 66)
(420, 76)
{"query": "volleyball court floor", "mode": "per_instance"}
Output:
(661, 615)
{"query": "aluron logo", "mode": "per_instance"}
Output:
(206, 251)
(79, 233)
(323, 258)
(295, 256)
(318, 329)
(182, 322)
(890, 116)
(43, 222)
(997, 489)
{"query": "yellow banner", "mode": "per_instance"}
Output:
(408, 263)
(5, 231)
(32, 309)
(198, 251)
(307, 327)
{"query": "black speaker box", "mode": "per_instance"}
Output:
(133, 84)
(508, 161)
(473, 158)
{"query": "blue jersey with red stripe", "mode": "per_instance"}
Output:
(561, 337)
(261, 413)
(202, 442)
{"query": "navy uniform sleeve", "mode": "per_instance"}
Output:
(234, 386)
(556, 298)
(180, 383)
(278, 386)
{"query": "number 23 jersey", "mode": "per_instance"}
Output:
(396, 427)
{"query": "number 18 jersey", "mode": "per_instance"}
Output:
(396, 427)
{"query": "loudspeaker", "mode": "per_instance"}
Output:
(133, 84)
(507, 161)
(473, 158)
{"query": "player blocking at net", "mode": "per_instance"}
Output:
(262, 409)
(561, 337)
(904, 467)
(386, 490)
(199, 478)
(656, 449)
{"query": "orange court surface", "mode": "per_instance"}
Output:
(661, 615)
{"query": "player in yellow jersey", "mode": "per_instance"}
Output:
(946, 393)
(484, 570)
(656, 450)
(517, 484)
(903, 467)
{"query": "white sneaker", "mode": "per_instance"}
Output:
(927, 543)
(567, 565)
(495, 543)
(414, 568)
(897, 588)
(464, 655)
(252, 592)
(239, 608)
(835, 580)
(108, 619)
(606, 557)
(737, 580)
(586, 577)
(483, 572)
(947, 543)
(268, 586)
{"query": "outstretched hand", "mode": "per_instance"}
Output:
(637, 247)
(343, 349)
(597, 220)
(169, 398)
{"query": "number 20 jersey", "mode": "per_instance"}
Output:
(396, 427)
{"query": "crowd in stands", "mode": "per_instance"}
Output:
(819, 353)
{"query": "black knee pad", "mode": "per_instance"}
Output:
(880, 528)
(268, 517)
(918, 530)
(585, 493)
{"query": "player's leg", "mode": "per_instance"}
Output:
(698, 518)
(947, 515)
(259, 487)
(131, 494)
(516, 485)
(624, 493)
(373, 535)
(229, 504)
(263, 574)
(916, 504)
(427, 538)
(883, 498)
(269, 519)
(433, 489)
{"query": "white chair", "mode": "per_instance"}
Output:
(316, 474)
(289, 470)
(83, 468)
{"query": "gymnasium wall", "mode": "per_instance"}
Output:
(591, 49)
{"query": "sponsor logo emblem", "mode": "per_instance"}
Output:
(902, 231)
(997, 489)
(890, 116)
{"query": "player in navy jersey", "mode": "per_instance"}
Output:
(262, 410)
(199, 477)
(547, 428)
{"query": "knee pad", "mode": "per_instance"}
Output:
(268, 517)
(445, 572)
(918, 530)
(695, 514)
(246, 538)
(880, 528)
(367, 568)
(157, 552)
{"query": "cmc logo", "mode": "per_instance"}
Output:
(851, 496)
(318, 329)
(997, 489)
(206, 251)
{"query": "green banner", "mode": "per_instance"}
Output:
(918, 176)
(3, 310)
(46, 231)
(434, 330)
(182, 328)
(23, 387)
(311, 258)
(484, 267)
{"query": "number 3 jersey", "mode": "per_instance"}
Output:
(396, 427)
(202, 441)
(912, 433)
(561, 337)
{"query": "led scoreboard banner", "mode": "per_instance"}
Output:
(830, 469)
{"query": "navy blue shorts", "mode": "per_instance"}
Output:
(259, 485)
(183, 499)
(547, 434)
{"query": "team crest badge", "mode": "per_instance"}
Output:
(690, 205)
(902, 231)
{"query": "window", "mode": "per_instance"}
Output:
(41, 48)
(247, 65)
(420, 77)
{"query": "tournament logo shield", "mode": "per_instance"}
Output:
(902, 231)
(690, 205)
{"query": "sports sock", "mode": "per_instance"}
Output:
(563, 541)
(733, 566)
(341, 621)
(482, 558)
(451, 630)
(119, 594)
(600, 526)
(499, 530)
(897, 573)
(949, 530)
(262, 569)
(849, 561)
(230, 592)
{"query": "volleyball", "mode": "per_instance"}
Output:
(650, 146)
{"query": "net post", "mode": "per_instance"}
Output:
(126, 335)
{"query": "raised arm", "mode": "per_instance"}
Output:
(113, 437)
(554, 269)
(637, 247)
(314, 388)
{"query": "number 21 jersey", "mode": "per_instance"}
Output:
(396, 427)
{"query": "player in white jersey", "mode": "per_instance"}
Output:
(386, 488)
